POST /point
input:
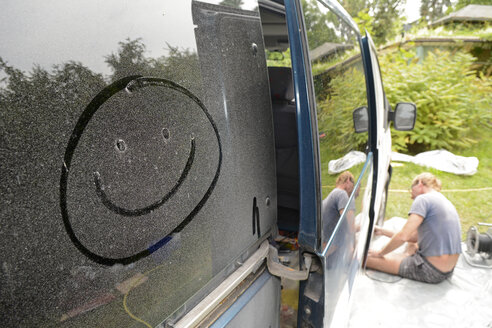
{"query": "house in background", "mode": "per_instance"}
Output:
(327, 50)
(471, 14)
(471, 17)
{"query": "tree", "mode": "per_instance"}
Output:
(353, 7)
(387, 20)
(386, 16)
(38, 112)
(365, 21)
(181, 66)
(129, 59)
(382, 19)
(430, 10)
(320, 27)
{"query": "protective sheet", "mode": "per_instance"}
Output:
(441, 160)
(352, 158)
(462, 301)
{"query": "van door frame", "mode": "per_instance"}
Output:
(307, 127)
(309, 156)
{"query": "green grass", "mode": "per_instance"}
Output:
(459, 30)
(473, 206)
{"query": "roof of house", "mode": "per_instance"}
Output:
(328, 48)
(468, 13)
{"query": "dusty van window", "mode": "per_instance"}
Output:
(130, 137)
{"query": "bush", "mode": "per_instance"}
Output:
(453, 104)
(345, 92)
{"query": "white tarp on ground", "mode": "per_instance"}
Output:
(462, 301)
(352, 158)
(441, 160)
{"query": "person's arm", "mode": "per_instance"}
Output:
(406, 234)
(414, 237)
(378, 231)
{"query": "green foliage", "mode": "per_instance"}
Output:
(431, 10)
(278, 59)
(480, 29)
(381, 18)
(387, 20)
(319, 25)
(321, 66)
(346, 92)
(353, 7)
(453, 104)
(365, 21)
(463, 3)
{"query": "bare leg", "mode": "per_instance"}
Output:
(389, 263)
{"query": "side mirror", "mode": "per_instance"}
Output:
(404, 116)
(361, 119)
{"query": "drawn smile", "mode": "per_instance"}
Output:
(145, 210)
(131, 84)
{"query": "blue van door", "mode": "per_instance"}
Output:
(331, 81)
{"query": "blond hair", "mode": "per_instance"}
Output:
(429, 180)
(342, 178)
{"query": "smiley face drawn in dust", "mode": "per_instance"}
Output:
(115, 204)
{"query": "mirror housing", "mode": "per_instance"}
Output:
(404, 116)
(361, 119)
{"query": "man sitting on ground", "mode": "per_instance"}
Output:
(433, 224)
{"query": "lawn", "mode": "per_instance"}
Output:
(473, 205)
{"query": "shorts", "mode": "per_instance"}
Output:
(417, 267)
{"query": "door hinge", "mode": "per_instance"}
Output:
(278, 269)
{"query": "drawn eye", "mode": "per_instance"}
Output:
(166, 134)
(120, 145)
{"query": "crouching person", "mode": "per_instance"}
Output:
(433, 224)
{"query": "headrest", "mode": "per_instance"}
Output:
(281, 85)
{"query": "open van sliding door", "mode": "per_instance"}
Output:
(380, 134)
(330, 82)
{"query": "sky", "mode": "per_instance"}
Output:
(51, 32)
(412, 10)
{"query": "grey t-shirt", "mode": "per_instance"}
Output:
(330, 209)
(440, 232)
